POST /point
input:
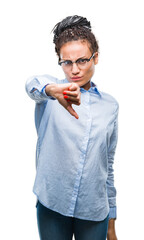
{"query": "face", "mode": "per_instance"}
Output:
(73, 51)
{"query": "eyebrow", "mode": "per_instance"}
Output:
(76, 59)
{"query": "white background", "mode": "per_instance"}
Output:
(26, 49)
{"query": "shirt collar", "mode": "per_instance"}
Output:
(93, 89)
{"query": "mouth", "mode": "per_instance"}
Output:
(76, 78)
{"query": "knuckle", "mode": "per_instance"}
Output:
(76, 85)
(77, 97)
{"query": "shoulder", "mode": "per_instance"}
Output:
(110, 101)
(109, 98)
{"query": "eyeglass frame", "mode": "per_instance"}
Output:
(71, 62)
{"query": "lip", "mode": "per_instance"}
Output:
(75, 78)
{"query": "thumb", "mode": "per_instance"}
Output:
(72, 111)
(72, 87)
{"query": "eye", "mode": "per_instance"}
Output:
(81, 61)
(67, 63)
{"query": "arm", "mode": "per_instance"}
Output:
(111, 234)
(110, 180)
(35, 87)
(42, 88)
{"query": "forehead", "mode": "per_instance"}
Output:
(75, 49)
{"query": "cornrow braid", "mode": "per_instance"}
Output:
(73, 28)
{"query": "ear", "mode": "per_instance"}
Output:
(96, 58)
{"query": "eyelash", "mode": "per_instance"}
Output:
(79, 61)
(82, 60)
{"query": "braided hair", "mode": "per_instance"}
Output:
(73, 28)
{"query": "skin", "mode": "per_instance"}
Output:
(73, 93)
(72, 51)
(69, 93)
(111, 234)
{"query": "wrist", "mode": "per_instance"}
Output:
(111, 224)
(50, 89)
(111, 233)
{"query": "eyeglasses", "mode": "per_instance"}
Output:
(81, 62)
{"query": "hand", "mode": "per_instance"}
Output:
(67, 94)
(111, 234)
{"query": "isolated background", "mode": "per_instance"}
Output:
(26, 49)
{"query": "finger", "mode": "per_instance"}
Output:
(72, 102)
(73, 87)
(74, 99)
(72, 111)
(74, 94)
(70, 93)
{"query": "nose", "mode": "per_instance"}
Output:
(75, 69)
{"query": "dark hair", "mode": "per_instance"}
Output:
(74, 28)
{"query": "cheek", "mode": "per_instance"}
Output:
(66, 72)
(90, 70)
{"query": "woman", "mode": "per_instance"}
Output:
(77, 136)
